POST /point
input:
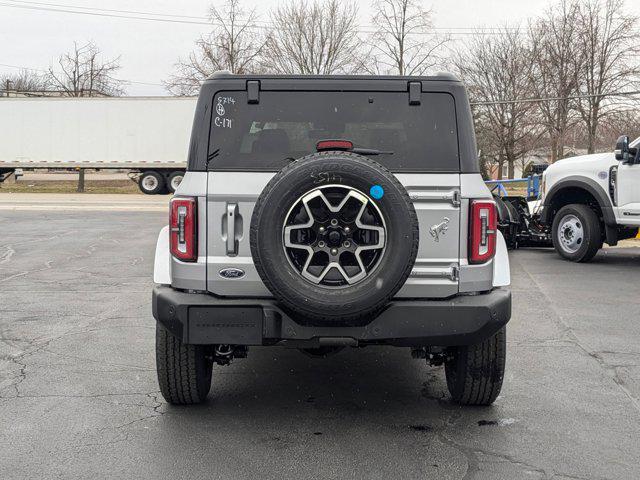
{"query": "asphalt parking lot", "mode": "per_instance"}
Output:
(79, 399)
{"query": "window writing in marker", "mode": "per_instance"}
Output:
(221, 110)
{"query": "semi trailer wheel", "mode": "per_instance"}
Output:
(576, 233)
(173, 181)
(151, 182)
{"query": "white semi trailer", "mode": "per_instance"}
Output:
(149, 135)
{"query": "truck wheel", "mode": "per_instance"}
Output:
(475, 372)
(151, 182)
(341, 242)
(576, 233)
(174, 181)
(184, 371)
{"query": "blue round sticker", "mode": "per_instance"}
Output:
(376, 192)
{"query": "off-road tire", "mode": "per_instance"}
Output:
(475, 372)
(314, 304)
(184, 371)
(592, 241)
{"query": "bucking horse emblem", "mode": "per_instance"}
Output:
(439, 229)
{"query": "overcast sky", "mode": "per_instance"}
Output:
(148, 49)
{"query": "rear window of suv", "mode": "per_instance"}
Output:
(287, 125)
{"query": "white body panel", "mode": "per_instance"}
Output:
(501, 269)
(162, 262)
(589, 166)
(628, 195)
(126, 132)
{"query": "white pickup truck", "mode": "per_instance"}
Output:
(592, 199)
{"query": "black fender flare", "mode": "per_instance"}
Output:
(592, 187)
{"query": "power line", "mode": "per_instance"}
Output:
(195, 20)
(96, 14)
(490, 102)
(135, 12)
(556, 99)
(23, 68)
(137, 82)
(194, 17)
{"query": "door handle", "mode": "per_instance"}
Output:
(232, 241)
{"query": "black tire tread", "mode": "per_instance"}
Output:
(358, 158)
(475, 374)
(181, 382)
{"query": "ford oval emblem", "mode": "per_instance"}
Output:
(231, 273)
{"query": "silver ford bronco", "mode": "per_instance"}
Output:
(324, 212)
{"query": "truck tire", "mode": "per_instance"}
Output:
(352, 238)
(173, 181)
(576, 233)
(184, 371)
(475, 372)
(151, 182)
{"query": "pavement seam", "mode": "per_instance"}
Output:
(573, 338)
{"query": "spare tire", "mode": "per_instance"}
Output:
(334, 236)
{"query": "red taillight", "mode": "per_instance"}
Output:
(183, 229)
(334, 145)
(482, 231)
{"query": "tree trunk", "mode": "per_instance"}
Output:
(554, 148)
(81, 180)
(591, 142)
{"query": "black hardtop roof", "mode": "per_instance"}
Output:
(438, 77)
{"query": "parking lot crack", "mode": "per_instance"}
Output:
(573, 338)
(5, 256)
(474, 461)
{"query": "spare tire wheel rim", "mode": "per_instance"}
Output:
(571, 233)
(334, 236)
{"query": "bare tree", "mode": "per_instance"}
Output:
(313, 38)
(608, 38)
(556, 58)
(26, 82)
(496, 68)
(83, 73)
(404, 41)
(626, 122)
(234, 44)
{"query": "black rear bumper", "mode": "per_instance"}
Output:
(199, 318)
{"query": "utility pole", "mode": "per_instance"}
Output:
(7, 86)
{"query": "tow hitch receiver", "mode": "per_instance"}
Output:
(224, 354)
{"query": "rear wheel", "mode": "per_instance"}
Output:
(184, 371)
(151, 182)
(475, 372)
(576, 233)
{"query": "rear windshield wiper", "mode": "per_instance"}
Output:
(370, 151)
(347, 145)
